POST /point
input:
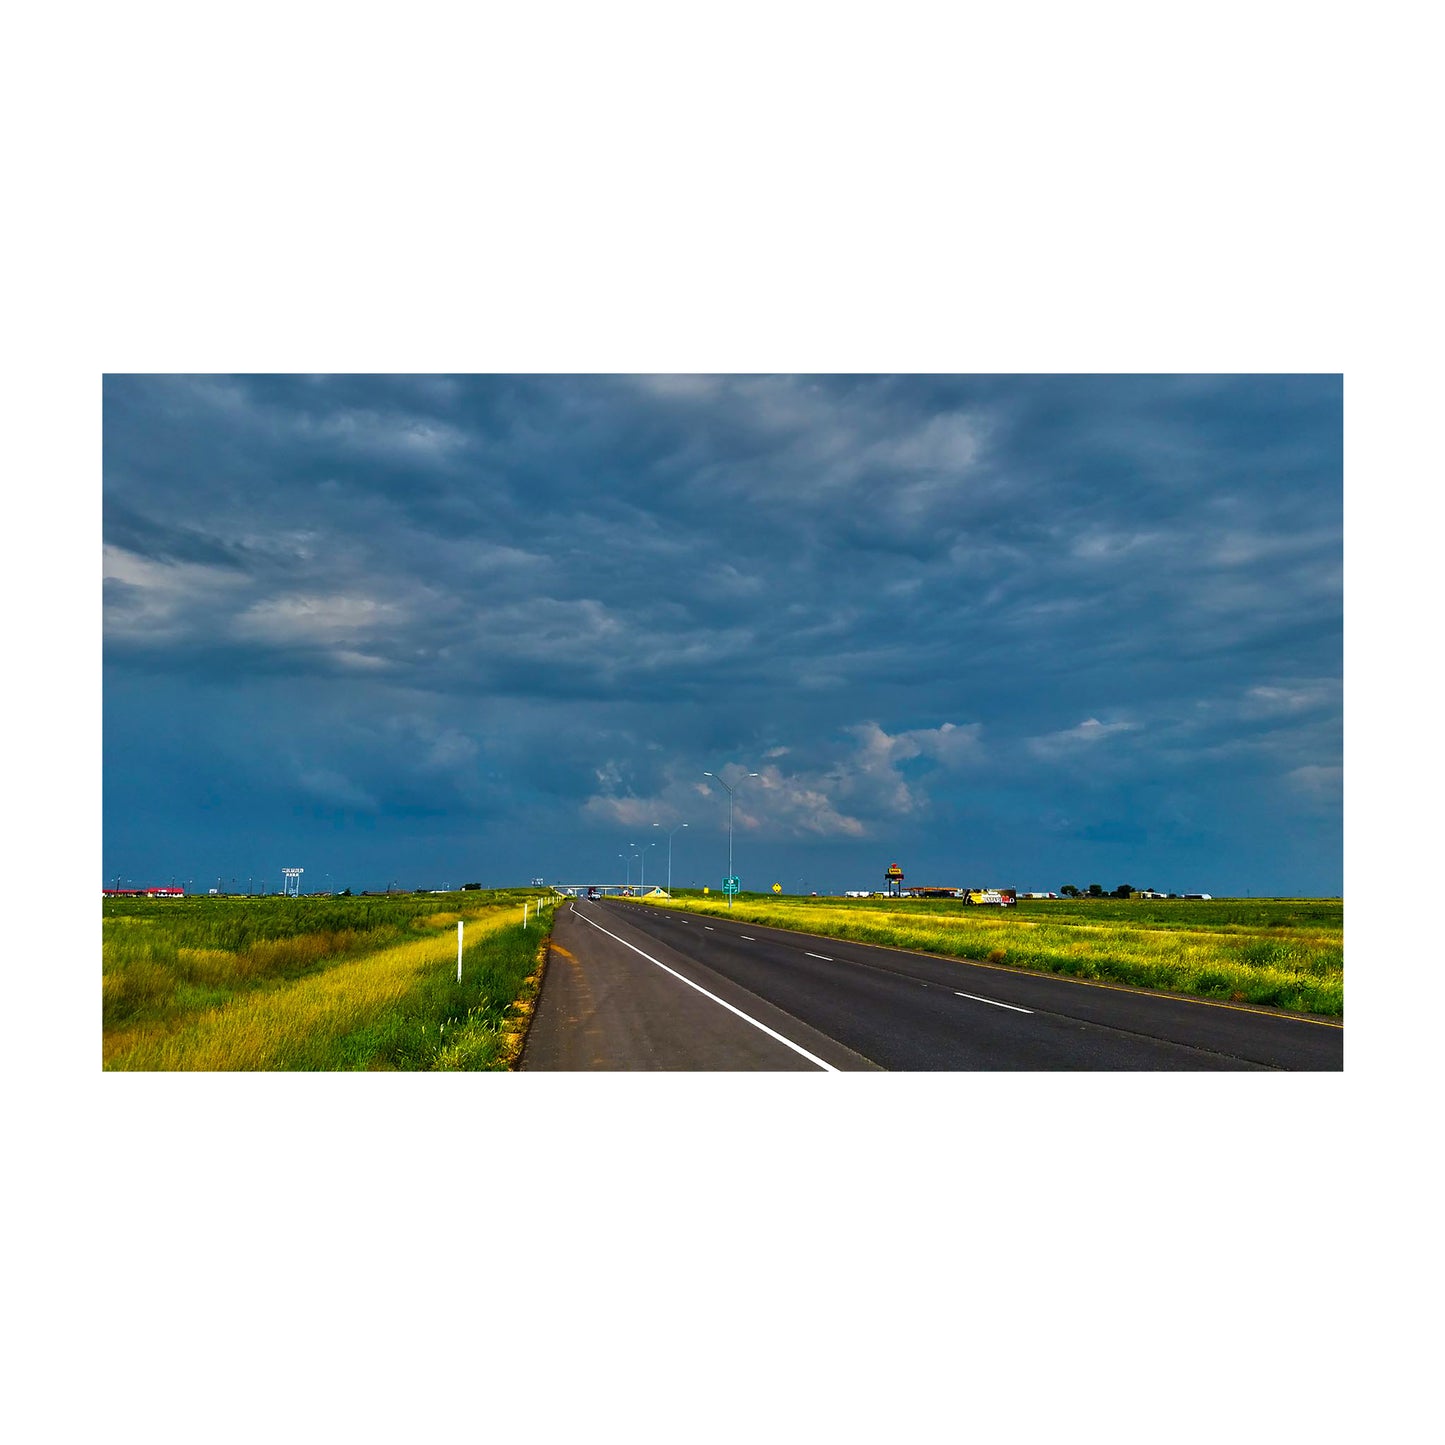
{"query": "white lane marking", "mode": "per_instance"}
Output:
(823, 956)
(709, 928)
(772, 1033)
(993, 1001)
(748, 936)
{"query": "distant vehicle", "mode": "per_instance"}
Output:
(854, 893)
(593, 894)
(1208, 896)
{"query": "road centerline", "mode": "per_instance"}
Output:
(977, 998)
(1124, 1027)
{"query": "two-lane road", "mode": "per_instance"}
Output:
(637, 987)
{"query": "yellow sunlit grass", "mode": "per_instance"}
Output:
(294, 1025)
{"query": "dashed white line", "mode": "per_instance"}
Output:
(748, 936)
(823, 956)
(993, 1001)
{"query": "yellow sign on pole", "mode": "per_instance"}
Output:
(777, 887)
(704, 888)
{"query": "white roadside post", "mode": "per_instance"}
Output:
(459, 950)
(524, 918)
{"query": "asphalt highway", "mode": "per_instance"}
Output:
(631, 986)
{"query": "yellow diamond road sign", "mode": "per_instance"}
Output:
(777, 887)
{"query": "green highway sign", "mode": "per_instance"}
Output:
(731, 885)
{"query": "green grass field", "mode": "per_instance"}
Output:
(317, 983)
(1282, 953)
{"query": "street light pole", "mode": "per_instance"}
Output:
(669, 853)
(717, 779)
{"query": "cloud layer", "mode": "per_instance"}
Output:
(993, 622)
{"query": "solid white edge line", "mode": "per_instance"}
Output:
(993, 1001)
(772, 1033)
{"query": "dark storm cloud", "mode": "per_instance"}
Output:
(966, 604)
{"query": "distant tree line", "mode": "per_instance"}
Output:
(1096, 890)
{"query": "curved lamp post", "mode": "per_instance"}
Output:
(717, 779)
(642, 865)
(669, 852)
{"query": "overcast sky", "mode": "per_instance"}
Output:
(1004, 630)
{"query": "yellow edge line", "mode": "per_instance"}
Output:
(1238, 1008)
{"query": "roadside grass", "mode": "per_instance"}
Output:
(150, 976)
(159, 957)
(289, 1003)
(233, 923)
(1285, 954)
